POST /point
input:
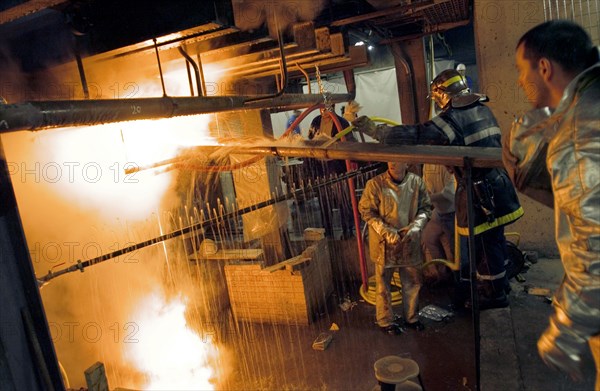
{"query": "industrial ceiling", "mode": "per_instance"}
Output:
(239, 35)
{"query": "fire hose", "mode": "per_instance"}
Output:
(351, 127)
(369, 294)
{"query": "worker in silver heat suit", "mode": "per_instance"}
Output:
(441, 187)
(395, 205)
(466, 121)
(562, 81)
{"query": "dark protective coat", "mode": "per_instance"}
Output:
(472, 124)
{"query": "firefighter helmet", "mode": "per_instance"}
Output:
(446, 85)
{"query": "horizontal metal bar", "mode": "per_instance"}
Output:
(197, 228)
(434, 154)
(52, 114)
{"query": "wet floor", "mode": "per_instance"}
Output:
(444, 352)
(281, 357)
(265, 356)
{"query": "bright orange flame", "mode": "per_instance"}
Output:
(150, 141)
(87, 165)
(168, 352)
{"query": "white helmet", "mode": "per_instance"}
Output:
(461, 67)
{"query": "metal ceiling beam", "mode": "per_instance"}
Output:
(429, 16)
(427, 31)
(27, 8)
(358, 58)
(401, 9)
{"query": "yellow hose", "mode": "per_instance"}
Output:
(385, 120)
(64, 376)
(344, 132)
(454, 266)
(370, 294)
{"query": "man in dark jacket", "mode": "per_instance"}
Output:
(466, 121)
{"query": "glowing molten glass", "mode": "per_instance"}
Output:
(166, 350)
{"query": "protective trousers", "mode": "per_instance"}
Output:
(595, 348)
(491, 258)
(410, 279)
(439, 225)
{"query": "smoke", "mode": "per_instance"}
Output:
(277, 15)
(76, 203)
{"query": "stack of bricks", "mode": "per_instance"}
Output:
(290, 292)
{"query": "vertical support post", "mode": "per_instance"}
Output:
(468, 165)
(29, 344)
(350, 82)
(411, 76)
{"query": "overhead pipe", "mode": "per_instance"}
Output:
(160, 72)
(63, 113)
(367, 152)
(305, 76)
(201, 74)
(84, 84)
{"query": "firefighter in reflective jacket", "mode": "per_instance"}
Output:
(466, 121)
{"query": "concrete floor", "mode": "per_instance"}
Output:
(281, 357)
(515, 343)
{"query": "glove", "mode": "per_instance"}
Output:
(387, 233)
(365, 125)
(391, 237)
(410, 234)
(353, 107)
(562, 350)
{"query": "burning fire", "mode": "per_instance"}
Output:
(167, 351)
(87, 165)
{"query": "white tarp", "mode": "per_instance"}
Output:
(376, 92)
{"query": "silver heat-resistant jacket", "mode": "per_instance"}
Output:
(387, 206)
(524, 153)
(570, 141)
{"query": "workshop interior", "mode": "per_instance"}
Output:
(163, 227)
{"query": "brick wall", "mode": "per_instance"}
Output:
(292, 295)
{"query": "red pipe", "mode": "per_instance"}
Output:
(300, 118)
(352, 189)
